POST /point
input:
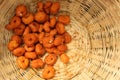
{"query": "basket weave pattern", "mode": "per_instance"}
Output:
(95, 48)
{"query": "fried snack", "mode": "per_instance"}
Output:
(18, 51)
(22, 62)
(28, 18)
(53, 21)
(21, 10)
(53, 32)
(40, 28)
(37, 63)
(41, 36)
(48, 72)
(37, 37)
(64, 58)
(12, 45)
(40, 6)
(39, 49)
(54, 9)
(26, 31)
(50, 59)
(57, 52)
(15, 22)
(65, 19)
(62, 47)
(34, 26)
(47, 6)
(67, 37)
(20, 29)
(29, 48)
(48, 42)
(40, 17)
(50, 50)
(16, 38)
(9, 26)
(60, 28)
(46, 26)
(58, 40)
(30, 39)
(30, 55)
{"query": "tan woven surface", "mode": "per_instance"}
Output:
(95, 48)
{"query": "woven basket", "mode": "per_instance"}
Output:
(95, 48)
